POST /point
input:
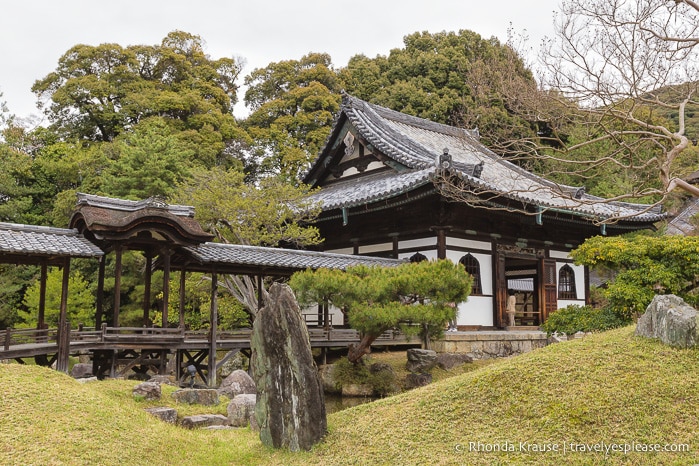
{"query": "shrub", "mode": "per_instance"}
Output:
(572, 319)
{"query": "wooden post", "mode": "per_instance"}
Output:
(99, 309)
(117, 285)
(42, 296)
(63, 347)
(213, 330)
(8, 335)
(183, 277)
(146, 289)
(166, 286)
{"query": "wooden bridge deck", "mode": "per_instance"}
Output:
(16, 344)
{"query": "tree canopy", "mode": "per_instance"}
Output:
(422, 294)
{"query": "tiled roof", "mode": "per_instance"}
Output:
(416, 144)
(682, 224)
(126, 205)
(44, 241)
(217, 253)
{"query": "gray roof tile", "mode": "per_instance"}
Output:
(44, 241)
(213, 253)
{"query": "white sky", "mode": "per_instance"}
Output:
(35, 33)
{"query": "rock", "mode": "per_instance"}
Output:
(420, 360)
(671, 320)
(290, 407)
(168, 415)
(148, 390)
(241, 409)
(81, 370)
(204, 420)
(327, 378)
(448, 361)
(87, 380)
(238, 383)
(236, 362)
(417, 380)
(355, 389)
(162, 379)
(199, 396)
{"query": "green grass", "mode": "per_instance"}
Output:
(608, 388)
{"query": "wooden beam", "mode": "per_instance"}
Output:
(63, 324)
(183, 278)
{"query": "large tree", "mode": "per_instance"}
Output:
(293, 104)
(273, 213)
(420, 295)
(97, 92)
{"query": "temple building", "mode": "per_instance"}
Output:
(397, 186)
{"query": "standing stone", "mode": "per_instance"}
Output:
(672, 320)
(290, 408)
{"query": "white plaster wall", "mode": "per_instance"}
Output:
(477, 310)
(567, 302)
(559, 254)
(371, 248)
(469, 243)
(349, 251)
(418, 243)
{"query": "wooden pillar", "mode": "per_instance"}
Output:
(326, 315)
(166, 286)
(99, 308)
(213, 330)
(42, 296)
(183, 277)
(146, 289)
(63, 324)
(259, 292)
(117, 285)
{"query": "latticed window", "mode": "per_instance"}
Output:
(566, 283)
(474, 269)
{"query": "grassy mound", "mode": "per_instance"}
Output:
(49, 418)
(605, 390)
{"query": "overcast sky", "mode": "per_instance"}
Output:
(35, 33)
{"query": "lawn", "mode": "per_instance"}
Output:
(608, 391)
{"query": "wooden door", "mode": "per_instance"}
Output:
(500, 294)
(548, 289)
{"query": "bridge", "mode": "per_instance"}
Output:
(117, 350)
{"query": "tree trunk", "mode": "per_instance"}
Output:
(356, 351)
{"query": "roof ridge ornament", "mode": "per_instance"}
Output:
(444, 161)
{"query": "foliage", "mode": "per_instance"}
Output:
(197, 301)
(573, 318)
(293, 103)
(382, 382)
(271, 214)
(81, 302)
(379, 298)
(646, 265)
(98, 92)
(151, 162)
